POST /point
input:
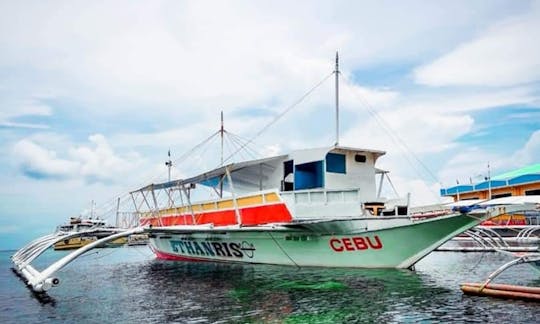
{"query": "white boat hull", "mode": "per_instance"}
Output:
(391, 244)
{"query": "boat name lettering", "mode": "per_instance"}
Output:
(214, 249)
(356, 243)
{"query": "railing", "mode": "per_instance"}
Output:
(215, 205)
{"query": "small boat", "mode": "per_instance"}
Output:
(137, 239)
(87, 228)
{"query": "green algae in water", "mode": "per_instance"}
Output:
(240, 294)
(326, 286)
(334, 316)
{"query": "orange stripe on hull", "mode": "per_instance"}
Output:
(250, 216)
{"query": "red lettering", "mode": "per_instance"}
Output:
(376, 247)
(348, 244)
(338, 247)
(360, 243)
(356, 243)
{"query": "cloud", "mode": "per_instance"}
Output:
(530, 153)
(506, 54)
(40, 163)
(95, 162)
(15, 109)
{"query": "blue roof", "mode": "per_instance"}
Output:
(524, 175)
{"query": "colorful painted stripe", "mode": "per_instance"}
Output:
(256, 215)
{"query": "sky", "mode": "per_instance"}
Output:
(94, 93)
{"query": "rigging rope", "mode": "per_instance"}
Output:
(283, 113)
(397, 140)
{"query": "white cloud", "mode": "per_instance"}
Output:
(15, 109)
(506, 54)
(39, 162)
(95, 162)
(530, 153)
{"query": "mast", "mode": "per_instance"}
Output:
(221, 131)
(169, 164)
(336, 72)
(489, 181)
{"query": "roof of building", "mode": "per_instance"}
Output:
(523, 175)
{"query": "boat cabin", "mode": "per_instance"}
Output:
(313, 183)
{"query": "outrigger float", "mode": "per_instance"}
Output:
(309, 208)
(507, 291)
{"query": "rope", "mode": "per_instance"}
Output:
(282, 250)
(278, 117)
(397, 140)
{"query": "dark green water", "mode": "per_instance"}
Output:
(128, 285)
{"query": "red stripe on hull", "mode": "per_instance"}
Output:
(251, 216)
(171, 257)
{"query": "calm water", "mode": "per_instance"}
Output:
(128, 285)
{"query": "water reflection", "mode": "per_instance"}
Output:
(127, 286)
(272, 293)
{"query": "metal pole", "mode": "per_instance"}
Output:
(489, 182)
(235, 202)
(169, 164)
(117, 211)
(336, 72)
(221, 131)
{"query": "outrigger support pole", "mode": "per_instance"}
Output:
(235, 202)
(44, 280)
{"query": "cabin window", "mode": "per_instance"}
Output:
(335, 163)
(506, 194)
(288, 176)
(308, 175)
(532, 192)
(360, 158)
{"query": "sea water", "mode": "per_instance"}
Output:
(128, 284)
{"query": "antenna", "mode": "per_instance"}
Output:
(169, 164)
(336, 72)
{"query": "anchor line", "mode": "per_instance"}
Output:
(283, 250)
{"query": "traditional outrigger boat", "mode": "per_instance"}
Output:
(317, 207)
(89, 229)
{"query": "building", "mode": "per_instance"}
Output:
(520, 182)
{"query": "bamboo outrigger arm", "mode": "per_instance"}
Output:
(527, 258)
(41, 281)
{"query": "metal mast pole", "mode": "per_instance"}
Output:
(489, 182)
(336, 72)
(169, 164)
(221, 131)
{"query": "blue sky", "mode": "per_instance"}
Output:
(93, 94)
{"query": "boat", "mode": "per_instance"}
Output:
(90, 231)
(326, 214)
(318, 207)
(137, 239)
(508, 232)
